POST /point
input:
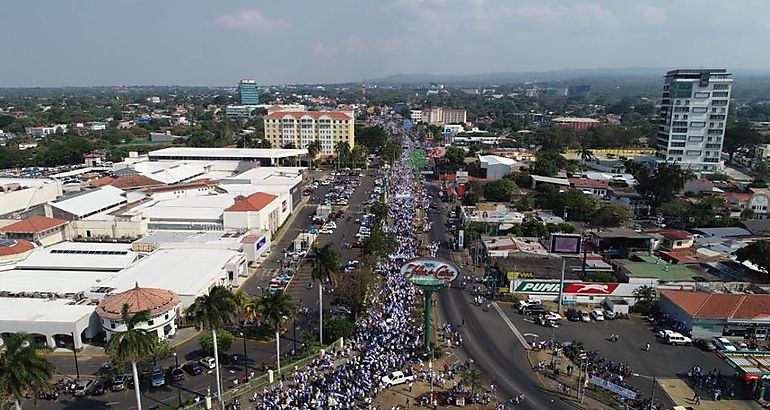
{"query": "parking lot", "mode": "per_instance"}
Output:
(662, 360)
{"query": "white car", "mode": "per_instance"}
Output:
(326, 231)
(608, 314)
(396, 378)
(597, 315)
(724, 344)
(207, 362)
(663, 334)
(330, 225)
(584, 316)
(552, 316)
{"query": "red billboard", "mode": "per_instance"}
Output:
(590, 288)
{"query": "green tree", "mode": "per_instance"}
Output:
(379, 243)
(391, 152)
(739, 137)
(358, 154)
(663, 184)
(22, 369)
(213, 312)
(133, 344)
(373, 138)
(758, 253)
(342, 149)
(455, 156)
(277, 308)
(224, 342)
(313, 149)
(325, 266)
(380, 211)
(501, 190)
(645, 297)
(548, 163)
(585, 155)
(612, 215)
(337, 327)
(471, 378)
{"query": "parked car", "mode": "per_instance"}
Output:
(100, 387)
(176, 374)
(83, 388)
(584, 316)
(192, 368)
(157, 378)
(119, 382)
(597, 315)
(534, 310)
(396, 378)
(608, 314)
(724, 344)
(208, 362)
(573, 315)
(663, 334)
(552, 316)
(341, 311)
(705, 344)
(677, 339)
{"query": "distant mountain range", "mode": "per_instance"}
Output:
(544, 76)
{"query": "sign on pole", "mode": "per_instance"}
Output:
(429, 271)
(460, 239)
(565, 244)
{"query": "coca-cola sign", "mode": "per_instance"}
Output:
(429, 271)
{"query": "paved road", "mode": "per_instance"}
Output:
(487, 339)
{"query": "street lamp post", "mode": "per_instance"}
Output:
(245, 359)
(295, 335)
(75, 354)
(178, 391)
(652, 390)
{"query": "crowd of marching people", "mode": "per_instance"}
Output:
(385, 339)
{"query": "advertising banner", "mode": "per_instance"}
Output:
(607, 385)
(551, 287)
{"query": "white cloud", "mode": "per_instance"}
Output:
(251, 20)
(322, 50)
(651, 14)
(353, 45)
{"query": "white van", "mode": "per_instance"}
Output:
(677, 339)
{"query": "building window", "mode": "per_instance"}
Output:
(719, 103)
(150, 322)
(701, 95)
(112, 325)
(721, 86)
(720, 94)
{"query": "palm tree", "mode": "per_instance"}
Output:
(133, 344)
(22, 368)
(359, 153)
(212, 312)
(277, 307)
(342, 149)
(313, 149)
(325, 266)
(585, 156)
(471, 378)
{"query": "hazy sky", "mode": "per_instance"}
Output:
(217, 42)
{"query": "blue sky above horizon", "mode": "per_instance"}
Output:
(194, 42)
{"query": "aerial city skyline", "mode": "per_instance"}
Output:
(487, 204)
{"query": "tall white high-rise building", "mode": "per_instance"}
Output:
(693, 114)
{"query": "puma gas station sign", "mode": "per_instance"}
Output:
(548, 287)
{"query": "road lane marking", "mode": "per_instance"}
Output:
(511, 326)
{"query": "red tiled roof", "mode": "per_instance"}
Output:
(33, 224)
(133, 181)
(335, 115)
(253, 202)
(720, 305)
(588, 182)
(250, 239)
(680, 255)
(100, 182)
(138, 299)
(738, 196)
(15, 247)
(675, 234)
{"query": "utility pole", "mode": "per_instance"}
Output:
(75, 353)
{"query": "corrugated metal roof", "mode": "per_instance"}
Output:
(91, 201)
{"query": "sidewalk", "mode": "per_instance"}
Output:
(682, 395)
